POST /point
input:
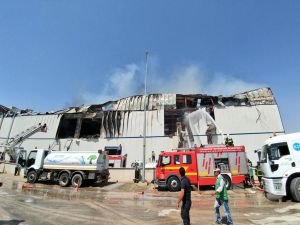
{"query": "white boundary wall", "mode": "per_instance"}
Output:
(120, 175)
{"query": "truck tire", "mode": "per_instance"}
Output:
(77, 180)
(295, 189)
(32, 177)
(64, 179)
(228, 182)
(174, 184)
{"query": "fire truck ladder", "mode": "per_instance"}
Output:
(10, 144)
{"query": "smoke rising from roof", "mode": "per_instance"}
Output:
(189, 79)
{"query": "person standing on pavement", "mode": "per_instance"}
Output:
(251, 175)
(153, 156)
(259, 173)
(221, 198)
(185, 197)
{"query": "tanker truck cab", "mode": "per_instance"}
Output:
(34, 164)
(280, 163)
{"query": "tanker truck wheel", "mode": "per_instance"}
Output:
(64, 179)
(295, 189)
(32, 177)
(76, 180)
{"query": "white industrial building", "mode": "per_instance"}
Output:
(172, 121)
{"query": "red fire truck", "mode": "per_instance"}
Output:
(199, 164)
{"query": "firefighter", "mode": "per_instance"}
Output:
(229, 142)
(251, 172)
(259, 174)
(20, 162)
(137, 172)
(153, 156)
(249, 178)
(221, 197)
(185, 197)
(17, 169)
(210, 131)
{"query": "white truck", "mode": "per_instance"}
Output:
(66, 167)
(280, 163)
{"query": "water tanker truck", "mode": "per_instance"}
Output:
(66, 168)
(280, 163)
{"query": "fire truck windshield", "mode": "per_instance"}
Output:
(165, 160)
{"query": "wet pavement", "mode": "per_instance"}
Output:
(129, 203)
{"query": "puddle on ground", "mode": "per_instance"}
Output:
(166, 212)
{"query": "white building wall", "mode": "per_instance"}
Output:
(39, 139)
(21, 123)
(5, 129)
(248, 125)
(249, 119)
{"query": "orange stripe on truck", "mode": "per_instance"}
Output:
(174, 167)
(191, 174)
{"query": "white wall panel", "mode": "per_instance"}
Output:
(249, 119)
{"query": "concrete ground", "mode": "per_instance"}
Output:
(129, 203)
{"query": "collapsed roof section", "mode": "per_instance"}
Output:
(15, 111)
(3, 109)
(259, 96)
(122, 118)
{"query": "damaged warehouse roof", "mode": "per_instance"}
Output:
(3, 109)
(172, 121)
(158, 101)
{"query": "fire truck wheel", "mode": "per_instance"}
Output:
(77, 180)
(174, 184)
(64, 179)
(228, 181)
(295, 189)
(32, 177)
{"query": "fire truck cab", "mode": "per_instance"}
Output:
(199, 164)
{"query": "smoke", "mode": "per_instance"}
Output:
(119, 83)
(186, 80)
(193, 79)
(228, 85)
(124, 81)
(189, 79)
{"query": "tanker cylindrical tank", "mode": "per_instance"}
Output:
(76, 161)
